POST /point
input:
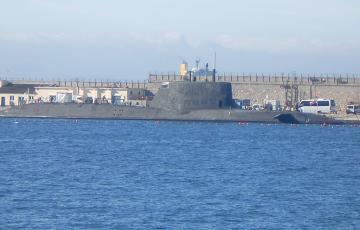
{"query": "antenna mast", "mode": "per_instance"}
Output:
(214, 69)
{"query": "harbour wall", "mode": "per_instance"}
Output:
(258, 92)
(342, 88)
(342, 94)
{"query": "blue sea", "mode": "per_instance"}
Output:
(106, 174)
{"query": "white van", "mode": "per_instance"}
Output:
(354, 109)
(317, 106)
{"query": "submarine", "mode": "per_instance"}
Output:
(176, 101)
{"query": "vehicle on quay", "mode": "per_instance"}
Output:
(317, 106)
(257, 107)
(352, 109)
(273, 105)
(243, 104)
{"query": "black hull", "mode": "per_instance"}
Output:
(108, 111)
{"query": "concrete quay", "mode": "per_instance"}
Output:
(346, 117)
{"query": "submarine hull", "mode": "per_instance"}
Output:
(108, 111)
(182, 101)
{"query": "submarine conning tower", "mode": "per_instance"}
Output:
(184, 96)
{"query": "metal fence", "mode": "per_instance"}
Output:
(266, 79)
(346, 79)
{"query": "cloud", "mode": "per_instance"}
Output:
(170, 37)
(141, 38)
(282, 44)
(40, 36)
(174, 38)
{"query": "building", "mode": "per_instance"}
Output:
(50, 93)
(90, 95)
(183, 69)
(16, 94)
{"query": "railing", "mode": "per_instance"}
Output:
(83, 84)
(279, 79)
(102, 84)
(266, 79)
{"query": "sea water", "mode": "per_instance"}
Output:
(106, 174)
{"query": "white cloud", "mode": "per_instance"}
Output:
(282, 44)
(174, 38)
(39, 36)
(169, 37)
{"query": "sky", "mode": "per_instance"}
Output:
(126, 40)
